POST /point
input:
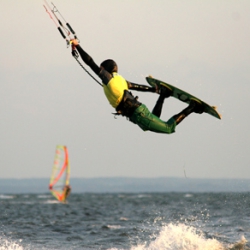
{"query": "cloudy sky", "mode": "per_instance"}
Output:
(46, 99)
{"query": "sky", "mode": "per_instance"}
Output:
(46, 99)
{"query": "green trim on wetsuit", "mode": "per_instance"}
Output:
(147, 121)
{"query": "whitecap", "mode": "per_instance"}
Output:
(3, 196)
(10, 245)
(114, 226)
(180, 237)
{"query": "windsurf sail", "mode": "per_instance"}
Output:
(59, 181)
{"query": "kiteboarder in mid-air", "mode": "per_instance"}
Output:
(116, 89)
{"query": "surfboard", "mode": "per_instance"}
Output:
(184, 96)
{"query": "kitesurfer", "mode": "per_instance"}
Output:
(116, 89)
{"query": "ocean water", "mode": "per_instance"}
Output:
(145, 221)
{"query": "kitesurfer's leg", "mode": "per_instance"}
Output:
(194, 106)
(164, 93)
(148, 121)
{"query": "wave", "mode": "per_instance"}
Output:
(3, 196)
(5, 244)
(183, 237)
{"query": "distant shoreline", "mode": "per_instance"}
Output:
(128, 185)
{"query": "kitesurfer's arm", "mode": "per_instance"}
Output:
(86, 57)
(143, 88)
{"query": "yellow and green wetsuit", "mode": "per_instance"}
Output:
(116, 90)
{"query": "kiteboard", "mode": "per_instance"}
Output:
(183, 96)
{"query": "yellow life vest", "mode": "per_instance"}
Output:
(114, 90)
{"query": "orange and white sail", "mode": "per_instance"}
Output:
(59, 181)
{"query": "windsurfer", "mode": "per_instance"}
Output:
(66, 191)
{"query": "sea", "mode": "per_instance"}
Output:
(131, 221)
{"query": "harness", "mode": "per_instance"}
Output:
(128, 104)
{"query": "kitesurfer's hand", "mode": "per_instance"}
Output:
(74, 42)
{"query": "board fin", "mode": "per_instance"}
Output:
(215, 108)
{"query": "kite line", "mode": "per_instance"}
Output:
(66, 32)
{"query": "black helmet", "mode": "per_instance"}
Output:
(109, 65)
